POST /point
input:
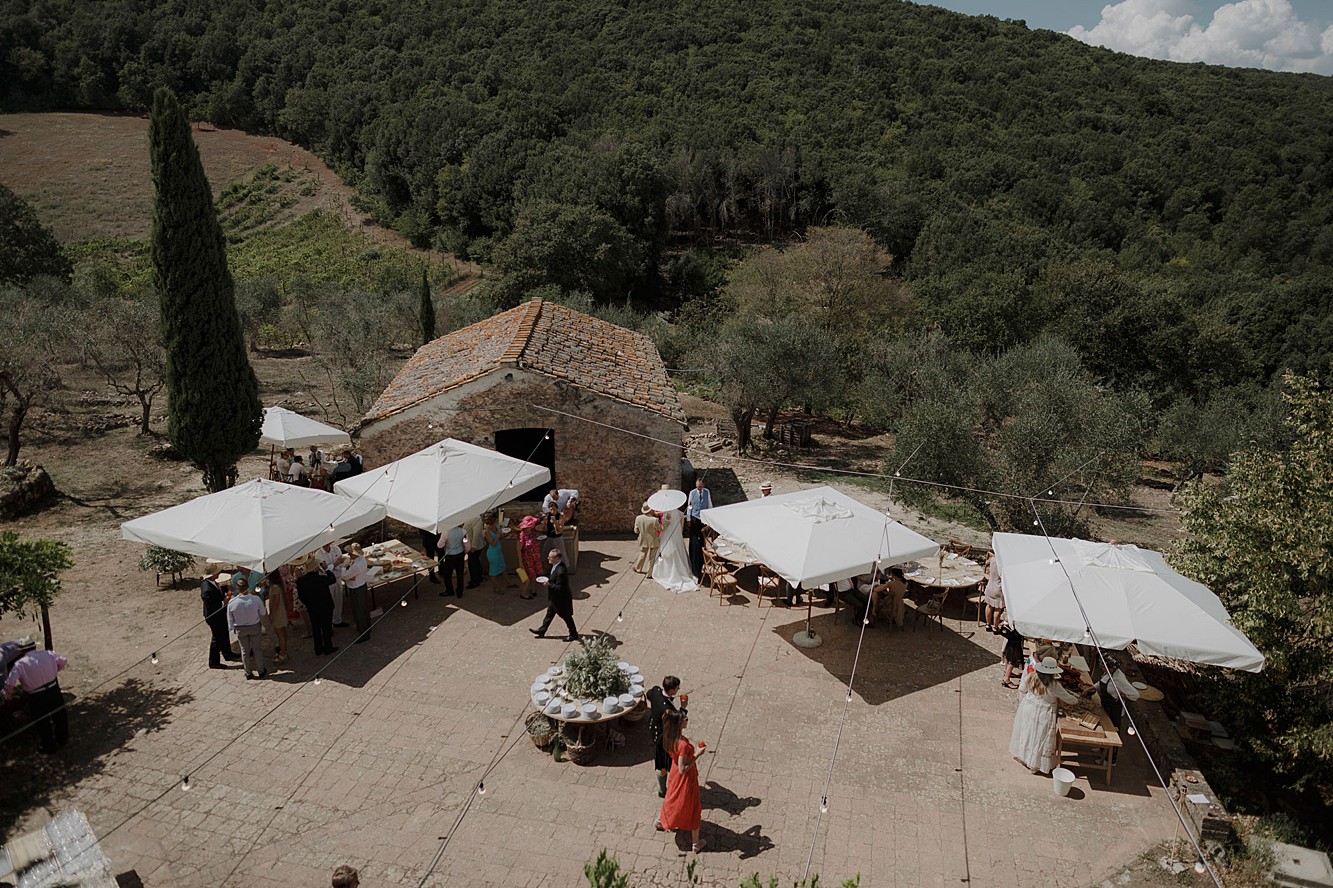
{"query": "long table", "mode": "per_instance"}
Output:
(1089, 749)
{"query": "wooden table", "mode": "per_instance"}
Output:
(599, 725)
(393, 568)
(1090, 749)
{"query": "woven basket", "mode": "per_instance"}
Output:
(637, 714)
(581, 743)
(540, 730)
(581, 755)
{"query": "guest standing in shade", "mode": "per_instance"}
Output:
(245, 617)
(700, 498)
(330, 558)
(277, 616)
(495, 556)
(453, 557)
(474, 534)
(682, 808)
(36, 674)
(313, 588)
(215, 615)
(430, 545)
(355, 573)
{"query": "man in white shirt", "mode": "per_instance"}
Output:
(296, 474)
(35, 672)
(328, 560)
(245, 616)
(451, 561)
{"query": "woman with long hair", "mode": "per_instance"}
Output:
(681, 809)
(1033, 741)
(277, 615)
(495, 557)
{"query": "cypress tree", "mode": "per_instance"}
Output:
(213, 408)
(427, 309)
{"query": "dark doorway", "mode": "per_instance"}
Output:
(534, 446)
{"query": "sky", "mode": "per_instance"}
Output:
(1281, 35)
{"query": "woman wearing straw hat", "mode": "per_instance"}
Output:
(1032, 743)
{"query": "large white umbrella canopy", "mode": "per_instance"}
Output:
(287, 428)
(445, 484)
(1131, 595)
(818, 536)
(258, 525)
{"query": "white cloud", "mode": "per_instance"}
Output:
(1244, 33)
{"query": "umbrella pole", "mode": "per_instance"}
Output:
(807, 639)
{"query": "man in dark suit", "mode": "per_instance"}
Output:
(661, 700)
(215, 614)
(559, 598)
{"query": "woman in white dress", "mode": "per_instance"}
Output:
(1032, 743)
(671, 570)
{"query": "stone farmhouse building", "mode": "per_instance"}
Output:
(540, 368)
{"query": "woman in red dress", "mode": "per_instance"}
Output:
(681, 809)
(529, 554)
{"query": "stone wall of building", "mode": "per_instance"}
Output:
(613, 470)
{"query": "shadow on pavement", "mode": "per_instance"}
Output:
(894, 663)
(98, 727)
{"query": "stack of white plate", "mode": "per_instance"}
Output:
(571, 710)
(626, 701)
(542, 697)
(553, 708)
(590, 710)
(611, 705)
(554, 670)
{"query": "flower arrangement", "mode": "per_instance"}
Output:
(165, 561)
(593, 672)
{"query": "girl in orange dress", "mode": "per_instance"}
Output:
(529, 554)
(681, 809)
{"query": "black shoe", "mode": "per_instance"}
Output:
(459, 593)
(234, 658)
(473, 585)
(249, 677)
(263, 673)
(538, 633)
(339, 625)
(219, 666)
(572, 638)
(443, 593)
(330, 650)
(431, 576)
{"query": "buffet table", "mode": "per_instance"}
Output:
(394, 560)
(1086, 739)
(586, 722)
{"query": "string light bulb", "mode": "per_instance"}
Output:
(481, 787)
(185, 783)
(318, 679)
(330, 528)
(620, 617)
(1130, 731)
(154, 658)
(546, 437)
(511, 483)
(1087, 633)
(865, 622)
(1050, 493)
(823, 805)
(897, 474)
(1035, 522)
(849, 696)
(403, 603)
(1201, 867)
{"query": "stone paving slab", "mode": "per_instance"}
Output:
(374, 765)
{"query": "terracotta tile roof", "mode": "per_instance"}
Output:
(546, 338)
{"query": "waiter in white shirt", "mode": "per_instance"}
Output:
(328, 561)
(35, 673)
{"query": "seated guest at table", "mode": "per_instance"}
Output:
(313, 588)
(343, 469)
(1036, 724)
(889, 596)
(319, 478)
(296, 474)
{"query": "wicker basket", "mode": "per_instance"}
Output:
(637, 714)
(582, 742)
(540, 729)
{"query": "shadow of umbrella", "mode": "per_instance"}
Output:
(889, 667)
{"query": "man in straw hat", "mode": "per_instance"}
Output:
(646, 529)
(765, 489)
(215, 615)
(35, 673)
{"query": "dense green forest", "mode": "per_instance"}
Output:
(1174, 223)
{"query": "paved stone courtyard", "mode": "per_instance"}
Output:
(375, 764)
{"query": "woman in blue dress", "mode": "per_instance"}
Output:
(495, 559)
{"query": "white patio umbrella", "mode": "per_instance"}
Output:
(287, 428)
(447, 483)
(1130, 595)
(257, 525)
(818, 536)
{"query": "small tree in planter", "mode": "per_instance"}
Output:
(165, 561)
(593, 672)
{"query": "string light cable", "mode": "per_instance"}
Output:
(1090, 635)
(807, 467)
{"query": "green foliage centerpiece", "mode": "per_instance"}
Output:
(592, 672)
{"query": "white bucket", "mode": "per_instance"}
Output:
(1061, 780)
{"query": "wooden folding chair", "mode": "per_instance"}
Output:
(932, 609)
(719, 577)
(769, 584)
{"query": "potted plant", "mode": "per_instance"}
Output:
(592, 672)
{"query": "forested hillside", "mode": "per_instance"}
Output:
(1174, 223)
